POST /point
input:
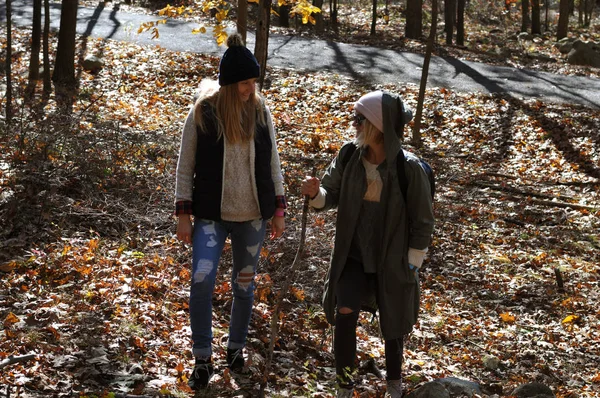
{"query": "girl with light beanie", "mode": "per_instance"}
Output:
(228, 184)
(381, 236)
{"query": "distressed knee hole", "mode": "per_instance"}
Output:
(203, 268)
(345, 310)
(245, 277)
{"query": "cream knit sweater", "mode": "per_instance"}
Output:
(239, 196)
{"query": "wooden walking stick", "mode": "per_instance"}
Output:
(283, 292)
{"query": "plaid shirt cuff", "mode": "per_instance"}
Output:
(280, 202)
(183, 207)
(280, 206)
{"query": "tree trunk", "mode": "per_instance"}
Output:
(46, 45)
(8, 62)
(563, 20)
(450, 19)
(414, 19)
(580, 13)
(262, 38)
(318, 16)
(547, 11)
(589, 10)
(525, 22)
(333, 11)
(536, 26)
(416, 137)
(284, 15)
(374, 18)
(242, 19)
(64, 65)
(34, 61)
(460, 23)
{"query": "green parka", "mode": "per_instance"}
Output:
(345, 186)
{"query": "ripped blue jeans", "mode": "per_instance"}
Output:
(208, 241)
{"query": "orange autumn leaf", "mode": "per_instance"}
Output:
(508, 318)
(10, 319)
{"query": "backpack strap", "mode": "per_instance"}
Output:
(347, 152)
(400, 169)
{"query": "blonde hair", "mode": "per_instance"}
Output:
(236, 119)
(371, 135)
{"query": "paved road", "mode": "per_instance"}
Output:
(370, 64)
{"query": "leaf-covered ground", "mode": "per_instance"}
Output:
(93, 282)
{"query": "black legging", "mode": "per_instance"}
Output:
(350, 288)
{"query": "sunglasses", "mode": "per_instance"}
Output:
(358, 118)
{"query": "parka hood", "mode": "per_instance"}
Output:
(395, 116)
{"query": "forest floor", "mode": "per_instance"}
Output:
(93, 282)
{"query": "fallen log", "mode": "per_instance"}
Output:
(12, 359)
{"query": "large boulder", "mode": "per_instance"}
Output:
(584, 53)
(446, 388)
(533, 390)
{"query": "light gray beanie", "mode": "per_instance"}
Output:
(370, 105)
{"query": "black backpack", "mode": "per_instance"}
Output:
(402, 181)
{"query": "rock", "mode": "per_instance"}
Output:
(491, 363)
(584, 53)
(92, 64)
(533, 390)
(430, 390)
(564, 47)
(459, 387)
(446, 388)
(525, 36)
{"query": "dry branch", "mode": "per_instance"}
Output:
(11, 360)
(283, 292)
(548, 201)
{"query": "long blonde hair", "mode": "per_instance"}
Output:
(236, 119)
(371, 135)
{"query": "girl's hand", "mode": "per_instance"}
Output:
(310, 186)
(184, 229)
(277, 226)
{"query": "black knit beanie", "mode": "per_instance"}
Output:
(238, 63)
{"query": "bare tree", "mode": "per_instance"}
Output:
(547, 12)
(416, 138)
(563, 19)
(242, 19)
(284, 14)
(46, 50)
(536, 25)
(525, 22)
(450, 19)
(64, 65)
(318, 16)
(333, 12)
(374, 18)
(262, 37)
(8, 61)
(460, 23)
(34, 60)
(414, 19)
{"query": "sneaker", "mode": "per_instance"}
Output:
(345, 392)
(235, 359)
(394, 388)
(202, 373)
